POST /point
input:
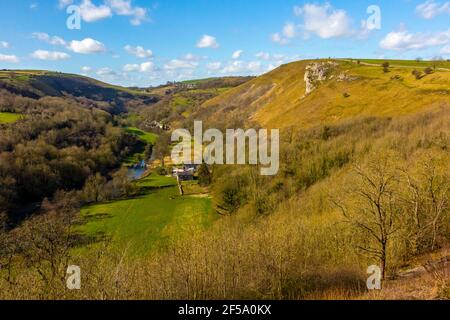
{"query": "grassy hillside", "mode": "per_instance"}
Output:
(149, 220)
(276, 99)
(37, 84)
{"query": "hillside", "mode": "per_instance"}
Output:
(37, 84)
(277, 99)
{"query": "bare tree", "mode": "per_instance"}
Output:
(427, 201)
(374, 208)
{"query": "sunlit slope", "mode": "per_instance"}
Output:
(277, 99)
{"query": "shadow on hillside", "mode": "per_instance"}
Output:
(340, 284)
(80, 240)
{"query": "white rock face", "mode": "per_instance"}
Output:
(317, 72)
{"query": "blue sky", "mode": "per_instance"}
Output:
(149, 42)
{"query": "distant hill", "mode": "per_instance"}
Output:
(37, 84)
(347, 88)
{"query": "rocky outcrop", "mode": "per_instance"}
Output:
(344, 77)
(317, 72)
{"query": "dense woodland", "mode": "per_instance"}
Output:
(58, 146)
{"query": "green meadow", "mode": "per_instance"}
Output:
(145, 138)
(148, 221)
(8, 117)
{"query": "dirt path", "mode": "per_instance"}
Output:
(427, 278)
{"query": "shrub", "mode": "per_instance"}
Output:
(204, 175)
(417, 74)
(428, 70)
(161, 171)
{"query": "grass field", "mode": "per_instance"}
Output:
(148, 221)
(410, 63)
(7, 117)
(146, 138)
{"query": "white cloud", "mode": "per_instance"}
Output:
(49, 55)
(55, 40)
(125, 8)
(9, 58)
(106, 72)
(86, 69)
(237, 54)
(403, 40)
(240, 67)
(214, 66)
(263, 55)
(191, 57)
(324, 21)
(139, 52)
(254, 66)
(64, 3)
(278, 38)
(130, 68)
(87, 46)
(208, 42)
(146, 67)
(4, 45)
(176, 64)
(91, 13)
(290, 30)
(143, 67)
(431, 9)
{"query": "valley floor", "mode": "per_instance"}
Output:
(149, 220)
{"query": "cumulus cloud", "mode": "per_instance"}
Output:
(87, 46)
(207, 41)
(289, 30)
(237, 54)
(86, 69)
(9, 58)
(106, 72)
(139, 52)
(4, 45)
(431, 9)
(143, 67)
(263, 55)
(53, 40)
(91, 12)
(125, 8)
(278, 38)
(177, 64)
(240, 67)
(324, 21)
(49, 55)
(403, 40)
(321, 20)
